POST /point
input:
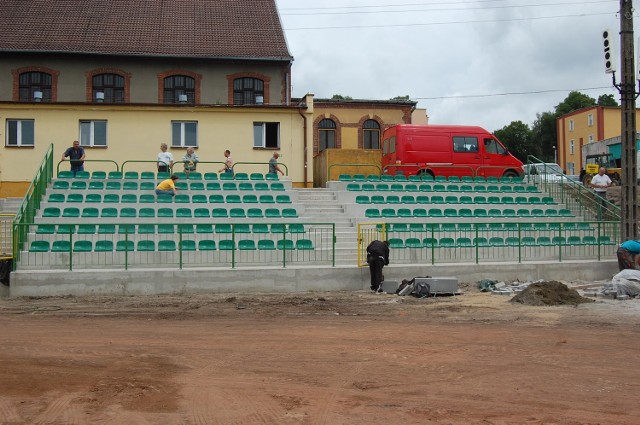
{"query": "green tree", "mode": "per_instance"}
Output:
(544, 135)
(607, 100)
(517, 138)
(574, 101)
(401, 98)
(340, 97)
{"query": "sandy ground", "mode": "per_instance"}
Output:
(317, 358)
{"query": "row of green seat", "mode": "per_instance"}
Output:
(496, 241)
(471, 227)
(410, 187)
(150, 175)
(453, 199)
(91, 229)
(131, 212)
(132, 185)
(424, 178)
(170, 245)
(131, 198)
(465, 212)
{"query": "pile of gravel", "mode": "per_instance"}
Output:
(549, 294)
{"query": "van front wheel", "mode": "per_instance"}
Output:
(510, 174)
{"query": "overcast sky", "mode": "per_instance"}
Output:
(441, 53)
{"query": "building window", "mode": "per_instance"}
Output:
(326, 134)
(572, 147)
(184, 133)
(248, 91)
(93, 133)
(19, 133)
(371, 135)
(110, 85)
(176, 87)
(570, 168)
(266, 135)
(591, 138)
(571, 125)
(590, 120)
(465, 144)
(32, 83)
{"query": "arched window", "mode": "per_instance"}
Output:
(371, 135)
(248, 91)
(110, 85)
(178, 86)
(32, 82)
(326, 134)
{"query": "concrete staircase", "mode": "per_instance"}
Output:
(321, 205)
(9, 205)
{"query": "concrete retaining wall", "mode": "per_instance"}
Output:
(268, 280)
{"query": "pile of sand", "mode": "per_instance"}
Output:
(549, 293)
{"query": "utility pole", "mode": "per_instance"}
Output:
(627, 87)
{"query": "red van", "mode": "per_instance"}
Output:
(446, 150)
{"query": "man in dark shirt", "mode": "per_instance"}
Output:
(76, 157)
(377, 257)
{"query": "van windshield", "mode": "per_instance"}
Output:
(492, 146)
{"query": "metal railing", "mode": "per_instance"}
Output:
(6, 231)
(31, 202)
(87, 160)
(286, 169)
(434, 243)
(179, 244)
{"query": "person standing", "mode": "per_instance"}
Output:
(168, 186)
(76, 157)
(273, 164)
(228, 163)
(190, 161)
(600, 183)
(165, 159)
(377, 258)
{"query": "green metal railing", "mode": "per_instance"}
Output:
(87, 160)
(140, 161)
(6, 240)
(128, 245)
(286, 169)
(31, 202)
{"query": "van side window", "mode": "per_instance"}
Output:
(492, 146)
(465, 144)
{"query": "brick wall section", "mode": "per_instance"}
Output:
(127, 81)
(265, 79)
(195, 76)
(16, 80)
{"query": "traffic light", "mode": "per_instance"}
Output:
(609, 61)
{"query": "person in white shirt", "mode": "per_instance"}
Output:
(165, 159)
(601, 182)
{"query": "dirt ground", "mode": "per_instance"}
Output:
(317, 358)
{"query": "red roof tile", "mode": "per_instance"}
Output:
(198, 29)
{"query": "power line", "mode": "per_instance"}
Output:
(480, 21)
(447, 9)
(509, 93)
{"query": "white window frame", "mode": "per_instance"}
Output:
(570, 168)
(590, 120)
(92, 133)
(19, 133)
(183, 134)
(260, 135)
(572, 147)
(572, 125)
(591, 138)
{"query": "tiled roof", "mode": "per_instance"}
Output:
(197, 28)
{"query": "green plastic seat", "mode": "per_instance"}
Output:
(419, 212)
(425, 188)
(184, 213)
(247, 245)
(363, 199)
(166, 228)
(147, 213)
(395, 187)
(565, 212)
(441, 179)
(187, 245)
(113, 185)
(242, 176)
(256, 176)
(505, 188)
(165, 213)
(465, 212)
(261, 186)
(435, 212)
(242, 228)
(78, 185)
(480, 212)
(277, 186)
(551, 212)
(448, 227)
(181, 199)
(237, 213)
(450, 212)
(114, 175)
(286, 244)
(71, 212)
(146, 229)
(267, 199)
(103, 245)
(180, 185)
(278, 228)
(528, 241)
(199, 199)
(304, 244)
(152, 186)
(574, 240)
(163, 175)
(131, 175)
(272, 213)
(451, 199)
(523, 212)
(381, 187)
(206, 245)
(66, 229)
(266, 245)
(219, 213)
(422, 199)
(496, 241)
(195, 175)
(368, 187)
(61, 246)
(464, 242)
(201, 213)
(544, 241)
(260, 228)
(127, 229)
(147, 175)
(196, 186)
(65, 175)
(166, 245)
(216, 199)
(413, 243)
(57, 197)
(481, 241)
(130, 198)
(229, 186)
(437, 199)
(250, 199)
(90, 212)
(233, 199)
(127, 212)
(226, 245)
(404, 212)
(439, 188)
(558, 240)
(213, 186)
(106, 229)
(164, 199)
(46, 229)
(224, 228)
(430, 242)
(589, 240)
(378, 199)
(96, 185)
(372, 213)
(58, 184)
(453, 188)
(204, 228)
(39, 246)
(407, 199)
(393, 199)
(254, 213)
(130, 186)
(82, 175)
(271, 176)
(446, 242)
(414, 178)
(605, 240)
(210, 176)
(146, 245)
(183, 228)
(83, 246)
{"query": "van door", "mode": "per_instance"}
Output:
(495, 158)
(466, 156)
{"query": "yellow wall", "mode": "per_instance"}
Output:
(325, 167)
(135, 132)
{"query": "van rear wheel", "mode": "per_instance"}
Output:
(510, 174)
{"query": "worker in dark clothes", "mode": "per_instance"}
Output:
(627, 254)
(377, 258)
